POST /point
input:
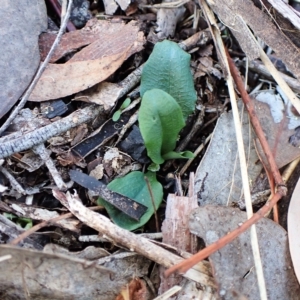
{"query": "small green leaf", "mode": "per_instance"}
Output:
(160, 120)
(174, 155)
(116, 116)
(153, 167)
(168, 69)
(134, 186)
(125, 104)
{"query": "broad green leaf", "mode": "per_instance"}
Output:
(160, 120)
(168, 69)
(134, 186)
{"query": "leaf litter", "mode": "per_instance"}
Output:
(110, 50)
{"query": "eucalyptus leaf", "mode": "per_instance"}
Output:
(168, 69)
(160, 120)
(134, 186)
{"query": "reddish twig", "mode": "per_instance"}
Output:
(281, 188)
(255, 122)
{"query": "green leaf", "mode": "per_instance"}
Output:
(173, 155)
(116, 116)
(135, 187)
(125, 104)
(160, 120)
(168, 69)
(153, 167)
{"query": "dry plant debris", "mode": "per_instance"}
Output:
(233, 265)
(181, 104)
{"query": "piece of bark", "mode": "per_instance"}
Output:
(176, 231)
(286, 11)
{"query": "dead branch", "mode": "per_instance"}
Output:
(128, 239)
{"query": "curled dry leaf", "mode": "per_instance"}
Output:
(233, 264)
(294, 229)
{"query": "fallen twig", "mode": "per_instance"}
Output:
(37, 227)
(10, 145)
(128, 239)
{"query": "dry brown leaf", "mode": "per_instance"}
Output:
(70, 78)
(104, 31)
(112, 44)
(235, 14)
(294, 229)
(233, 265)
(104, 93)
(135, 290)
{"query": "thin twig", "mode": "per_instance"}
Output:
(10, 145)
(153, 203)
(290, 169)
(196, 152)
(256, 124)
(37, 227)
(40, 71)
(244, 171)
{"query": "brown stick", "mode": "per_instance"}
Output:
(255, 121)
(37, 227)
(153, 203)
(281, 188)
(130, 240)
